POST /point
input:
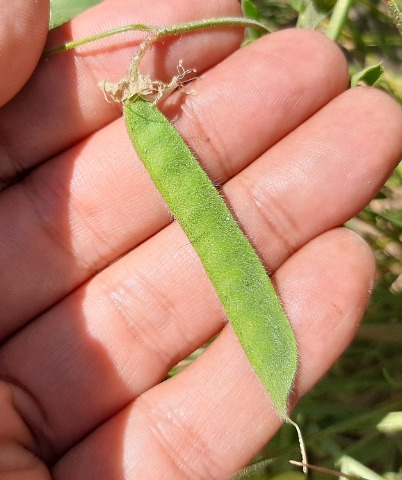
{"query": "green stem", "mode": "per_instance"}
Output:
(209, 23)
(98, 36)
(338, 18)
(396, 14)
(165, 31)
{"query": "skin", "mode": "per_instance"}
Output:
(86, 338)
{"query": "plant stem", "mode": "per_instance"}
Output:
(338, 18)
(180, 28)
(98, 36)
(164, 31)
(396, 14)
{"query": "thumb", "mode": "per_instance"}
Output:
(23, 31)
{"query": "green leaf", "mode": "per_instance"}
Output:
(313, 12)
(395, 10)
(338, 18)
(61, 11)
(298, 5)
(369, 75)
(250, 10)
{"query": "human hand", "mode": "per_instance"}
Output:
(101, 293)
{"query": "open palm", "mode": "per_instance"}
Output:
(101, 293)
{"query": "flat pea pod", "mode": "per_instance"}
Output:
(237, 274)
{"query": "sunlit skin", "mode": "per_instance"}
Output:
(101, 292)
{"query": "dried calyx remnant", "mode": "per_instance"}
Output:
(135, 83)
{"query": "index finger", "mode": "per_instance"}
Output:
(20, 44)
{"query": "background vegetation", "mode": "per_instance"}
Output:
(352, 420)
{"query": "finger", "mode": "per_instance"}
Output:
(20, 44)
(211, 419)
(63, 94)
(65, 242)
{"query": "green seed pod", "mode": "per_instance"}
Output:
(233, 267)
